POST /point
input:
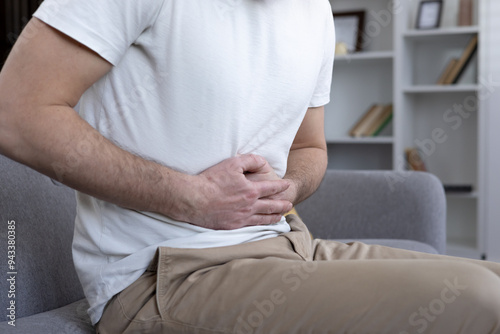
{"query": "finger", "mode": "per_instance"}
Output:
(272, 207)
(272, 187)
(251, 163)
(256, 177)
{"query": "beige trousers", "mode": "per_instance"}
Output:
(292, 284)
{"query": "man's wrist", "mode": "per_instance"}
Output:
(177, 199)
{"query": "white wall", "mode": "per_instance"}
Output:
(490, 10)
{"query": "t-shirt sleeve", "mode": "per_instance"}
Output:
(107, 27)
(321, 94)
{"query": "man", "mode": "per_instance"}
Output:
(202, 124)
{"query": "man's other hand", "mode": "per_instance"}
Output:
(232, 195)
(268, 173)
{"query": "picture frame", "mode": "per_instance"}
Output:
(429, 14)
(349, 29)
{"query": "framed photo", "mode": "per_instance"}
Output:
(349, 29)
(429, 14)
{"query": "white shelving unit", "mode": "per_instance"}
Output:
(360, 80)
(400, 65)
(443, 121)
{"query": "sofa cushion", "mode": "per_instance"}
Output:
(72, 319)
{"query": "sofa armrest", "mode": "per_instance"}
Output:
(378, 205)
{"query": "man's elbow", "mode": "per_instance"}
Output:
(9, 125)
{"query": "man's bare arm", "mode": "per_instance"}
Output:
(308, 157)
(41, 82)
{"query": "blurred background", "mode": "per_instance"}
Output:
(14, 16)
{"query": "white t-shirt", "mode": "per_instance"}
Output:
(194, 82)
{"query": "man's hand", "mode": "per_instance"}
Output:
(226, 198)
(267, 173)
(307, 160)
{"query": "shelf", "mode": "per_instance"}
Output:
(437, 33)
(463, 248)
(429, 89)
(367, 140)
(365, 56)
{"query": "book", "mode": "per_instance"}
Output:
(444, 79)
(465, 13)
(463, 61)
(383, 125)
(380, 122)
(414, 160)
(373, 121)
(359, 129)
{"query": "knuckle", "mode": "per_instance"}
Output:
(251, 195)
(232, 164)
(257, 160)
(245, 212)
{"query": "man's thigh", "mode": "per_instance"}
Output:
(327, 250)
(277, 294)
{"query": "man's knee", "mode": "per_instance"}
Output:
(476, 291)
(458, 298)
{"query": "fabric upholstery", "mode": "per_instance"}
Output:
(44, 215)
(70, 319)
(375, 205)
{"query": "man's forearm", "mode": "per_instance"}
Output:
(57, 142)
(306, 168)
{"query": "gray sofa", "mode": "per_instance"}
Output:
(398, 209)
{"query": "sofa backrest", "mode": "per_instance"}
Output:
(378, 205)
(44, 216)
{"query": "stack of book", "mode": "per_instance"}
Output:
(373, 121)
(456, 66)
